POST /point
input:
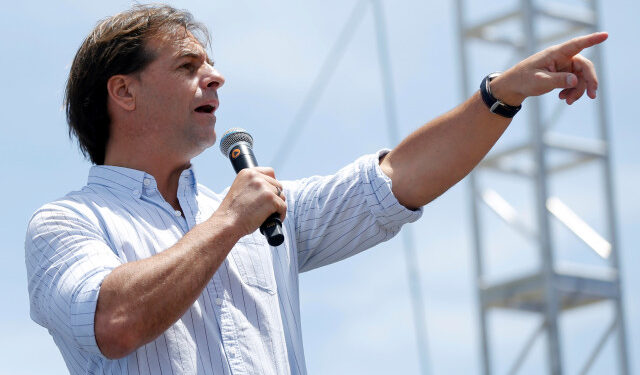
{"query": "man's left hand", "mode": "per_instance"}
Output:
(559, 66)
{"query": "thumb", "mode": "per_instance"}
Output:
(563, 80)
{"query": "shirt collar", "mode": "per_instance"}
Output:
(187, 182)
(134, 181)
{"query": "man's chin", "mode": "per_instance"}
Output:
(208, 143)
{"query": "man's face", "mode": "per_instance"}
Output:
(177, 97)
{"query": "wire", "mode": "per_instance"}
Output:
(301, 118)
(411, 258)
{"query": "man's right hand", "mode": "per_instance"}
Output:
(254, 195)
(139, 300)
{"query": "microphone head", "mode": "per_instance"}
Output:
(232, 137)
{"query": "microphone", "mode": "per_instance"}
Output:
(236, 144)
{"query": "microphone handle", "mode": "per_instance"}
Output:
(241, 156)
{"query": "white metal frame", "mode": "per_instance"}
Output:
(550, 289)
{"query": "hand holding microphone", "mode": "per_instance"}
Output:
(236, 144)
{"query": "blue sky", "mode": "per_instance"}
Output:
(356, 314)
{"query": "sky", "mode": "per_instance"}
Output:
(356, 315)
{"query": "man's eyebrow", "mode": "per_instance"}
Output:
(194, 54)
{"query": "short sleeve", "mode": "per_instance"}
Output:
(383, 204)
(343, 214)
(67, 258)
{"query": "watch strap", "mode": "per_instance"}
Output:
(496, 106)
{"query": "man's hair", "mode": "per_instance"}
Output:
(116, 46)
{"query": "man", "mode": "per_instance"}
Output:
(144, 271)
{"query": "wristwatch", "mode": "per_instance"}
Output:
(496, 106)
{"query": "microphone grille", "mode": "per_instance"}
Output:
(233, 136)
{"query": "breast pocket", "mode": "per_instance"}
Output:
(254, 262)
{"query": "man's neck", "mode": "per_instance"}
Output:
(165, 171)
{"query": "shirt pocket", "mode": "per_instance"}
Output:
(252, 258)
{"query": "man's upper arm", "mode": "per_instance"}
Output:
(340, 215)
(67, 258)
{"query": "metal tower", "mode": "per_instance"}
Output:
(564, 154)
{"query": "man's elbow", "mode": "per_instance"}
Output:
(114, 337)
(409, 191)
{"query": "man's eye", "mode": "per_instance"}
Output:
(189, 66)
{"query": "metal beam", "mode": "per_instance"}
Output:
(411, 257)
(550, 289)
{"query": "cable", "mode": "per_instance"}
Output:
(301, 119)
(319, 85)
(417, 303)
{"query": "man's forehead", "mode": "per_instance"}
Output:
(183, 44)
(190, 45)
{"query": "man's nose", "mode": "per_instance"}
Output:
(212, 78)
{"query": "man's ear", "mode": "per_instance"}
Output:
(121, 91)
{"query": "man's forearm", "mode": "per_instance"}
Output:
(140, 300)
(441, 152)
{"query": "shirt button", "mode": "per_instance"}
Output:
(147, 182)
(218, 301)
(177, 213)
(135, 192)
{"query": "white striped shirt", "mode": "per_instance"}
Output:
(247, 319)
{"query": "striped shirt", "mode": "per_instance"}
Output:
(247, 319)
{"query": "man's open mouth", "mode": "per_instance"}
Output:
(205, 109)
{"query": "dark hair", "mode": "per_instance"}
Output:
(116, 46)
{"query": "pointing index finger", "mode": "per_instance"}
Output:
(574, 46)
